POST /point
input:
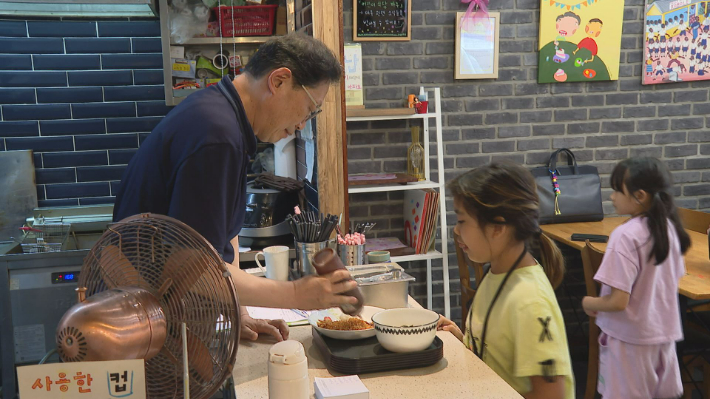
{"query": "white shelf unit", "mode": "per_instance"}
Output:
(174, 97)
(427, 183)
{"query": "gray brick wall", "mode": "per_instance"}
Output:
(514, 117)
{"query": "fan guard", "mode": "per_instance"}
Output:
(191, 283)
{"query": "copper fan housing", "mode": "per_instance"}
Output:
(145, 276)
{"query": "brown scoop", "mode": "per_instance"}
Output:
(326, 261)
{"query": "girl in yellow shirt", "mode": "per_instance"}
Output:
(515, 324)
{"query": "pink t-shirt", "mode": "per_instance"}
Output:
(652, 315)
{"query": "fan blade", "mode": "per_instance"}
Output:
(183, 278)
(199, 357)
(117, 269)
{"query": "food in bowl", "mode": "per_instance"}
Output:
(405, 329)
(345, 323)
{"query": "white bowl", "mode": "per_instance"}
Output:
(405, 329)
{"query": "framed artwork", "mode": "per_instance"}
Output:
(477, 47)
(675, 45)
(580, 40)
(377, 20)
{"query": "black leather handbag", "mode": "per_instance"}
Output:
(568, 193)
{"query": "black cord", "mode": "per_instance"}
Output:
(493, 302)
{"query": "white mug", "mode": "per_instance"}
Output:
(276, 262)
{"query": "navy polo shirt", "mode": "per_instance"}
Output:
(193, 167)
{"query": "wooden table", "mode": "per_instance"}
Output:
(459, 374)
(694, 285)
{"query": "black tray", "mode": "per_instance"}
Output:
(368, 356)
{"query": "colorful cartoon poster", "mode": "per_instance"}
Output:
(580, 40)
(675, 47)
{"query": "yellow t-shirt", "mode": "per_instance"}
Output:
(526, 333)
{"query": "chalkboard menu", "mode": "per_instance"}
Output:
(381, 20)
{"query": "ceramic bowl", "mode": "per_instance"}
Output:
(378, 256)
(405, 329)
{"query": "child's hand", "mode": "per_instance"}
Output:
(448, 325)
(585, 306)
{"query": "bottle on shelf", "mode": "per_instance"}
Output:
(415, 156)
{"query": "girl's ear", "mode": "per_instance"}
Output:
(499, 228)
(642, 196)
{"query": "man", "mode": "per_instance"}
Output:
(193, 166)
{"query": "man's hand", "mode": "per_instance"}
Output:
(251, 328)
(324, 292)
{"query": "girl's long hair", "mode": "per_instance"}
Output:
(507, 190)
(652, 176)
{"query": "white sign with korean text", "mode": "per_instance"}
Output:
(353, 75)
(84, 380)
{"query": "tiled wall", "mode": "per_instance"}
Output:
(82, 95)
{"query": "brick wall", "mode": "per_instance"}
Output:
(81, 94)
(514, 117)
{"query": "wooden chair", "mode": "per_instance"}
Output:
(467, 292)
(591, 260)
(694, 220)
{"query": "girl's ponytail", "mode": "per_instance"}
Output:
(552, 260)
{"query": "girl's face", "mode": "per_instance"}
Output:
(627, 204)
(472, 238)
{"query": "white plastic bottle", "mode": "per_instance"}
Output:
(288, 371)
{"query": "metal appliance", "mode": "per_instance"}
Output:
(266, 211)
(157, 287)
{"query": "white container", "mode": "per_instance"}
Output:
(406, 329)
(288, 371)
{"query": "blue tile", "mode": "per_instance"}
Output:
(70, 95)
(2, 145)
(38, 160)
(103, 110)
(106, 142)
(96, 45)
(71, 127)
(79, 158)
(31, 45)
(100, 173)
(35, 112)
(97, 201)
(19, 129)
(61, 29)
(66, 62)
(15, 62)
(100, 78)
(142, 137)
(134, 93)
(115, 185)
(147, 45)
(153, 108)
(13, 29)
(40, 192)
(78, 190)
(17, 96)
(40, 144)
(122, 125)
(131, 61)
(57, 175)
(130, 29)
(33, 79)
(58, 202)
(120, 157)
(151, 77)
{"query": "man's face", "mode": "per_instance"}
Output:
(593, 29)
(567, 26)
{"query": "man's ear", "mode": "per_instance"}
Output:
(278, 78)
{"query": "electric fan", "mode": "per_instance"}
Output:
(146, 276)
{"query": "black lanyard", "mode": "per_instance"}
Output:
(493, 302)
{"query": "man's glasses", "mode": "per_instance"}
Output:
(318, 108)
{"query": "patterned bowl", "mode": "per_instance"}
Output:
(405, 329)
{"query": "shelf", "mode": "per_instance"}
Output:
(434, 254)
(224, 40)
(392, 187)
(388, 117)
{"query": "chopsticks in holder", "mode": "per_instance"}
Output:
(310, 227)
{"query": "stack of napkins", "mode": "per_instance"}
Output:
(349, 387)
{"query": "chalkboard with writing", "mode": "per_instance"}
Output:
(381, 20)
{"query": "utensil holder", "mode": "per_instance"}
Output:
(352, 255)
(304, 257)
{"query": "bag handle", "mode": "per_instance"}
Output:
(571, 160)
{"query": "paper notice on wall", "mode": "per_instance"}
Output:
(353, 75)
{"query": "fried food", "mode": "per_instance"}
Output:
(345, 324)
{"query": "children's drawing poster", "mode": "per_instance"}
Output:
(675, 47)
(580, 40)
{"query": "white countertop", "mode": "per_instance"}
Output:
(459, 374)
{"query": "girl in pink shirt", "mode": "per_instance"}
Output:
(637, 310)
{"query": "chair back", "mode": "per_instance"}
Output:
(465, 265)
(591, 260)
(694, 220)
